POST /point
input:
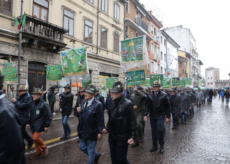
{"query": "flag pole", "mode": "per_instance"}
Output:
(19, 47)
(134, 67)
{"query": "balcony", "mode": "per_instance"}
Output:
(41, 33)
(142, 24)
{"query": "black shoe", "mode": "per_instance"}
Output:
(135, 145)
(97, 158)
(153, 149)
(181, 123)
(68, 136)
(173, 128)
(30, 143)
(162, 149)
(63, 137)
(141, 140)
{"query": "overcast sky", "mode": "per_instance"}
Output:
(209, 21)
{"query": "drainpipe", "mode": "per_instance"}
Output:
(97, 24)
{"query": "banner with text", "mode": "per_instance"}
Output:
(156, 77)
(110, 81)
(10, 71)
(54, 72)
(74, 61)
(188, 81)
(167, 82)
(182, 84)
(147, 83)
(139, 77)
(175, 81)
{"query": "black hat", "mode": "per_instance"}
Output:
(67, 86)
(81, 90)
(182, 89)
(117, 87)
(91, 89)
(1, 80)
(38, 91)
(167, 90)
(140, 88)
(156, 84)
(173, 89)
(22, 88)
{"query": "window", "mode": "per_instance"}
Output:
(88, 31)
(165, 57)
(136, 34)
(152, 29)
(164, 42)
(161, 39)
(208, 77)
(116, 11)
(155, 31)
(161, 56)
(147, 66)
(148, 45)
(127, 6)
(41, 9)
(104, 37)
(91, 1)
(152, 49)
(68, 21)
(148, 26)
(161, 70)
(211, 77)
(182, 70)
(152, 66)
(116, 43)
(126, 31)
(104, 5)
(6, 7)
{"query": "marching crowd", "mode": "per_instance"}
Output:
(127, 111)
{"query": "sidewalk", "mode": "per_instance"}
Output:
(58, 116)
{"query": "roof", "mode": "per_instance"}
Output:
(186, 53)
(210, 68)
(171, 39)
(158, 23)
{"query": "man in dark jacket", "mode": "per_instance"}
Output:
(159, 109)
(52, 99)
(184, 106)
(191, 100)
(210, 94)
(175, 103)
(91, 125)
(122, 125)
(138, 100)
(100, 98)
(11, 139)
(80, 99)
(66, 104)
(40, 120)
(108, 102)
(227, 96)
(22, 106)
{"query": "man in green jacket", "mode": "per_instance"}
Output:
(138, 100)
(52, 99)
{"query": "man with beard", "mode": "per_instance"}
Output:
(159, 109)
(121, 125)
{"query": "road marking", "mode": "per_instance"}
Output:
(53, 140)
(56, 144)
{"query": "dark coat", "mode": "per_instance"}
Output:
(227, 94)
(11, 140)
(91, 121)
(184, 102)
(175, 102)
(40, 116)
(191, 97)
(66, 103)
(210, 93)
(139, 99)
(22, 106)
(122, 124)
(101, 99)
(81, 98)
(52, 96)
(108, 102)
(158, 106)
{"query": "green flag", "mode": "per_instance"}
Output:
(74, 61)
(188, 81)
(9, 70)
(24, 20)
(167, 83)
(87, 81)
(175, 81)
(147, 83)
(110, 81)
(156, 77)
(16, 21)
(139, 77)
(54, 72)
(182, 84)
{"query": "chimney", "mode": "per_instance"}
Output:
(150, 12)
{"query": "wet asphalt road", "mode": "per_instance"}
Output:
(205, 139)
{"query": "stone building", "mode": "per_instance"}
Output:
(211, 76)
(53, 26)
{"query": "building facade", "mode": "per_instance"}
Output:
(53, 26)
(211, 76)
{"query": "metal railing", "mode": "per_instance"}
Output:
(142, 24)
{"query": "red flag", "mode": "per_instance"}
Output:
(19, 26)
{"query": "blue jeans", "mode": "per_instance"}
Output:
(227, 100)
(88, 147)
(158, 130)
(65, 124)
(184, 116)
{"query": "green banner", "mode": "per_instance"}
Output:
(110, 81)
(86, 82)
(139, 77)
(9, 70)
(54, 72)
(182, 84)
(175, 81)
(132, 50)
(156, 77)
(74, 61)
(147, 83)
(167, 83)
(188, 81)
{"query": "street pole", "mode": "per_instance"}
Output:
(19, 47)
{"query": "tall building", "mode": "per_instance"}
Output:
(170, 48)
(53, 26)
(186, 40)
(211, 76)
(185, 55)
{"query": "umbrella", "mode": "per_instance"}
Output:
(227, 87)
(56, 86)
(195, 89)
(77, 84)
